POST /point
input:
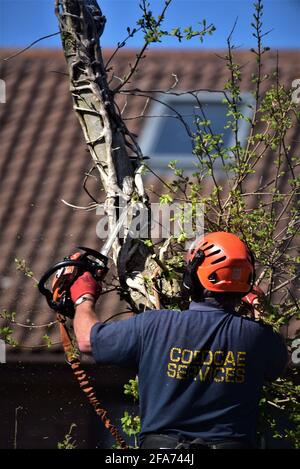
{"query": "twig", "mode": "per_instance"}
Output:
(16, 425)
(283, 284)
(33, 326)
(87, 175)
(78, 207)
(28, 47)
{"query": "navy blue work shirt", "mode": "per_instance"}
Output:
(201, 371)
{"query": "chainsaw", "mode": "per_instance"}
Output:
(68, 270)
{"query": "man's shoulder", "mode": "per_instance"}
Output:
(158, 313)
(254, 324)
(257, 323)
(261, 331)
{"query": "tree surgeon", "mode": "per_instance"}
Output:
(200, 371)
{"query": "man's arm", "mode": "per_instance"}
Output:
(84, 319)
(276, 355)
(84, 293)
(114, 343)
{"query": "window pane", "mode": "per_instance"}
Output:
(172, 136)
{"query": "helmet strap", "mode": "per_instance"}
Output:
(191, 286)
(253, 275)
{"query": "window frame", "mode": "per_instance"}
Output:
(159, 109)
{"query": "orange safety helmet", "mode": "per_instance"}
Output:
(222, 263)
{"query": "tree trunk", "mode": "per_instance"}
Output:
(81, 25)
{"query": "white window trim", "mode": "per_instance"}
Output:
(158, 110)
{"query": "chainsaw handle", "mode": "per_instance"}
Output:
(94, 253)
(82, 264)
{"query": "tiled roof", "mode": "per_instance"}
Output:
(44, 159)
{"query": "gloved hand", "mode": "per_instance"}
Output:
(85, 285)
(253, 301)
(254, 296)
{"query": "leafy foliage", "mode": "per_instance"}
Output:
(68, 441)
(152, 27)
(6, 335)
(22, 266)
(131, 424)
(131, 389)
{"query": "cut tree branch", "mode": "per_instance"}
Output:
(81, 25)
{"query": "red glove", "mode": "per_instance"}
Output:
(253, 302)
(255, 294)
(85, 285)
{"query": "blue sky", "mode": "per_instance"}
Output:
(24, 21)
